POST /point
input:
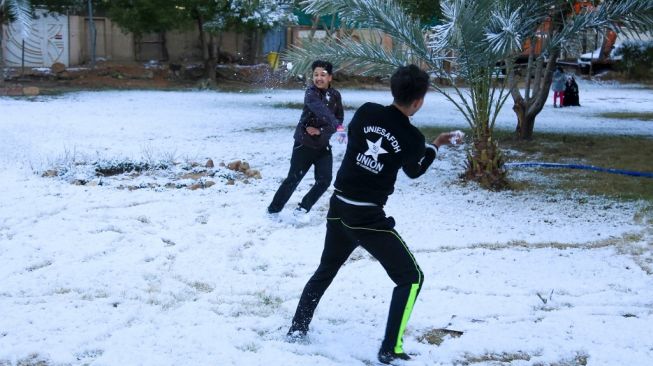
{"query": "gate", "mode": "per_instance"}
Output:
(46, 43)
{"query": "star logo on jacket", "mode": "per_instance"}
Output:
(374, 149)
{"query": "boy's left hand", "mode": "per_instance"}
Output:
(341, 134)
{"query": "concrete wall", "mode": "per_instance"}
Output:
(111, 42)
(184, 46)
(76, 37)
(122, 44)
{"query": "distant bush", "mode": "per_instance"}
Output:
(637, 61)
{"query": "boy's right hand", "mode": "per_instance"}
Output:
(449, 138)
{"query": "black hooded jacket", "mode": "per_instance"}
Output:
(381, 142)
(322, 110)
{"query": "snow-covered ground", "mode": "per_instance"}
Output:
(98, 274)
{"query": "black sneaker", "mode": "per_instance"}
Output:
(387, 357)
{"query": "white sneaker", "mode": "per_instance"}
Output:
(301, 216)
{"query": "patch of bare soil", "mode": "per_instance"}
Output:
(154, 175)
(105, 75)
(160, 76)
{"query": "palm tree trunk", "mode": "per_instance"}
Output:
(485, 163)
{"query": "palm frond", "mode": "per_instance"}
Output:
(21, 10)
(323, 7)
(511, 22)
(477, 39)
(386, 16)
(487, 30)
(629, 16)
(633, 17)
(462, 25)
(502, 33)
(364, 57)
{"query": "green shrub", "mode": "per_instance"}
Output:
(637, 61)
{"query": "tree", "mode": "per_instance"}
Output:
(159, 16)
(149, 16)
(216, 16)
(198, 12)
(14, 10)
(564, 24)
(251, 17)
(427, 12)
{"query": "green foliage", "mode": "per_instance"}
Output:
(220, 18)
(637, 62)
(71, 6)
(153, 16)
(642, 116)
(143, 16)
(428, 12)
(243, 15)
(148, 16)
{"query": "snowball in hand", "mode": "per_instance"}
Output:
(457, 137)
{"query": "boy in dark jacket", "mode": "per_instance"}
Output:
(321, 116)
(382, 141)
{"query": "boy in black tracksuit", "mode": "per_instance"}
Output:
(321, 116)
(381, 141)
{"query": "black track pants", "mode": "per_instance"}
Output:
(347, 227)
(300, 162)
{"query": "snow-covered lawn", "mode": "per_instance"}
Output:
(99, 274)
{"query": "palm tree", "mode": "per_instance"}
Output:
(473, 37)
(456, 51)
(19, 10)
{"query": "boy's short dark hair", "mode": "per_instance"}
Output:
(408, 84)
(326, 65)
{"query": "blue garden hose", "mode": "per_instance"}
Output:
(631, 173)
